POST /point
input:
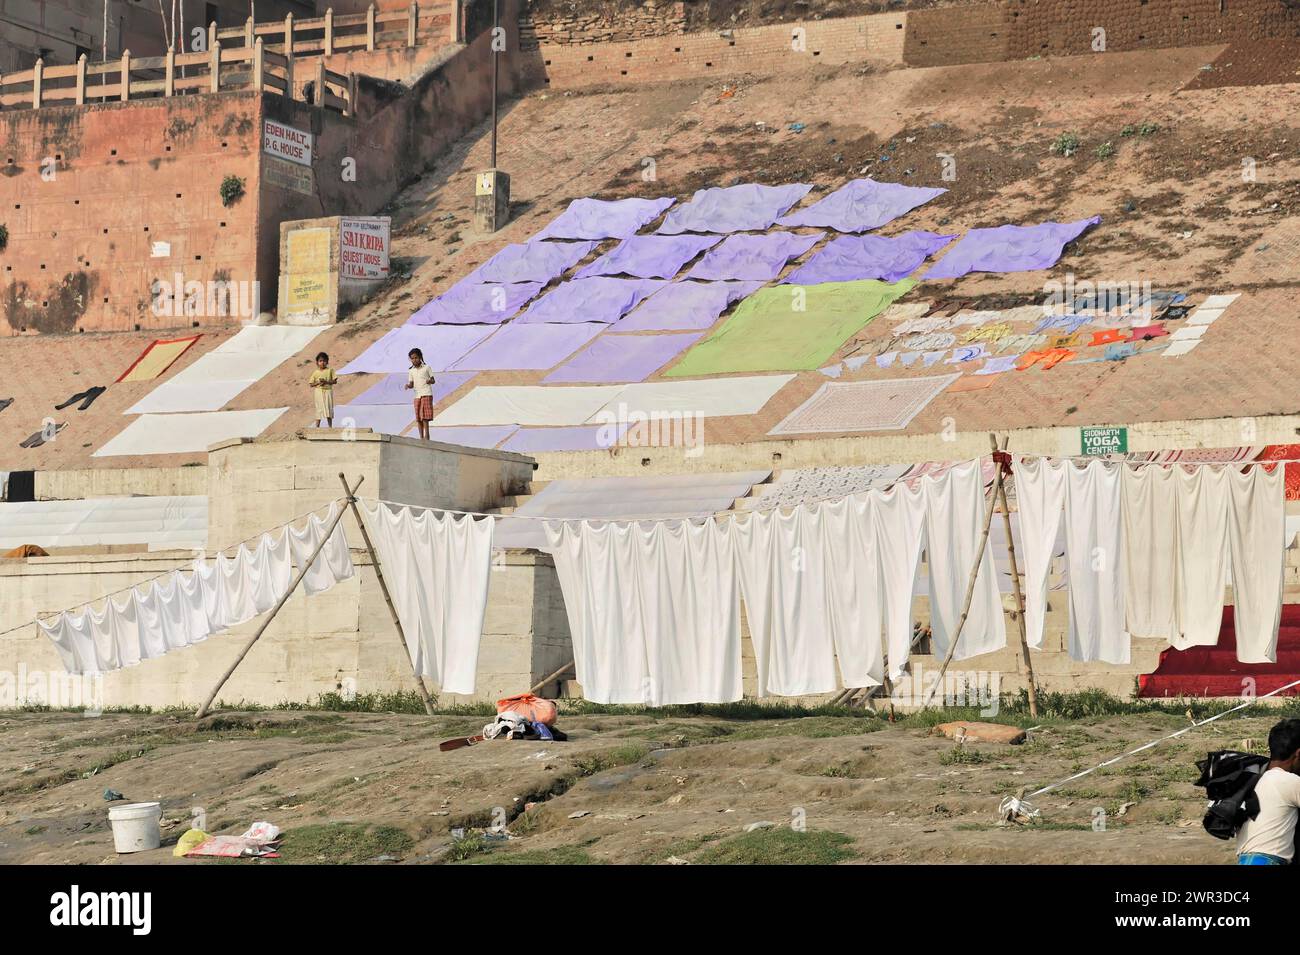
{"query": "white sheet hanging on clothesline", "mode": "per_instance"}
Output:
(653, 608)
(437, 566)
(186, 607)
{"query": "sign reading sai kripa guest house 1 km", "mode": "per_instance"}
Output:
(286, 142)
(1098, 442)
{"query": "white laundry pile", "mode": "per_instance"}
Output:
(653, 608)
(186, 607)
(437, 566)
(821, 583)
(1149, 551)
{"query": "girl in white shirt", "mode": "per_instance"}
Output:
(420, 378)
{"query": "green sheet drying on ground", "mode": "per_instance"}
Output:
(768, 332)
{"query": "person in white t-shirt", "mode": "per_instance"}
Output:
(1269, 838)
(420, 378)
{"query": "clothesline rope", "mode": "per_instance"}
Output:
(1164, 739)
(159, 576)
(657, 518)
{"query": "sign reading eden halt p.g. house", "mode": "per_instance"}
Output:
(286, 142)
(1098, 442)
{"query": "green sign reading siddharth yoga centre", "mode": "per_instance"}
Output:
(1098, 442)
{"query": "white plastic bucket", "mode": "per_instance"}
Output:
(135, 826)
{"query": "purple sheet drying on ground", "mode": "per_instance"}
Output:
(601, 299)
(381, 419)
(1009, 248)
(604, 219)
(853, 257)
(442, 345)
(744, 208)
(474, 436)
(392, 390)
(861, 205)
(531, 261)
(622, 358)
(758, 258)
(517, 347)
(684, 305)
(469, 303)
(583, 437)
(650, 256)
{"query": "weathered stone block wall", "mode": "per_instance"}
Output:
(87, 191)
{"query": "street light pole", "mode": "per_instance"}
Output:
(492, 187)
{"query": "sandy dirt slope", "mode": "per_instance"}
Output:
(625, 788)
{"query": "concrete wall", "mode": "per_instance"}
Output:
(260, 484)
(881, 448)
(341, 640)
(75, 484)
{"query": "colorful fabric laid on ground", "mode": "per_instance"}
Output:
(392, 390)
(579, 438)
(187, 433)
(604, 218)
(850, 406)
(745, 208)
(624, 358)
(1009, 248)
(684, 305)
(211, 382)
(854, 257)
(755, 258)
(442, 346)
(186, 607)
(861, 205)
(522, 347)
(787, 328)
(381, 419)
(650, 256)
(601, 299)
(157, 358)
(428, 556)
(472, 303)
(532, 261)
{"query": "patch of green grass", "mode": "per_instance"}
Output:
(839, 771)
(963, 755)
(623, 755)
(780, 847)
(1148, 129)
(558, 855)
(470, 847)
(816, 727)
(1105, 151)
(34, 830)
(342, 843)
(1066, 144)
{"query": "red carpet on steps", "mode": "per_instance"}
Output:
(1214, 671)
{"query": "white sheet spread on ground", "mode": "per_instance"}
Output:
(601, 404)
(437, 566)
(1189, 532)
(653, 609)
(215, 378)
(186, 607)
(162, 523)
(187, 433)
(527, 404)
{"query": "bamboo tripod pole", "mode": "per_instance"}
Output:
(420, 688)
(302, 572)
(538, 687)
(1015, 584)
(970, 585)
